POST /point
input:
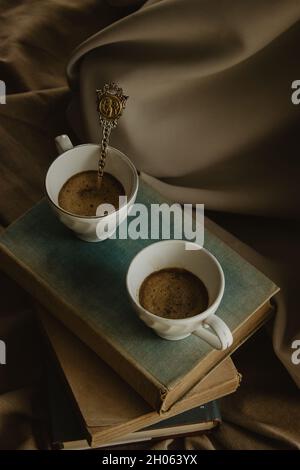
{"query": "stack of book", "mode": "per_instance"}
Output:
(111, 380)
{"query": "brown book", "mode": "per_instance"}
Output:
(110, 410)
(84, 285)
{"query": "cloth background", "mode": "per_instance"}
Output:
(210, 115)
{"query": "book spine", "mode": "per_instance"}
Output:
(152, 392)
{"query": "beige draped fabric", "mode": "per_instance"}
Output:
(209, 120)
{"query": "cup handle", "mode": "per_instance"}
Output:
(63, 143)
(221, 338)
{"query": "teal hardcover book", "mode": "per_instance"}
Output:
(83, 285)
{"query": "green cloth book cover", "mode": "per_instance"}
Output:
(83, 285)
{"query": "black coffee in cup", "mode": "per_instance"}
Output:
(173, 293)
(80, 194)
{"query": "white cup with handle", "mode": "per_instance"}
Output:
(197, 260)
(85, 157)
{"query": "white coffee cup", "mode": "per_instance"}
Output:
(197, 260)
(83, 158)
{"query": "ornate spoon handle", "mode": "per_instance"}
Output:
(111, 103)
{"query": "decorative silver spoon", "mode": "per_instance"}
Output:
(111, 103)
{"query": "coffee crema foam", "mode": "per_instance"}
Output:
(80, 195)
(173, 293)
